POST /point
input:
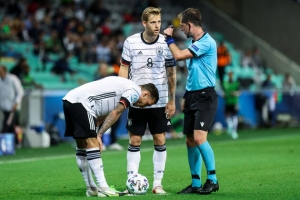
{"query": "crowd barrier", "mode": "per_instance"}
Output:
(277, 102)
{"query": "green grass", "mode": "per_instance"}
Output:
(261, 164)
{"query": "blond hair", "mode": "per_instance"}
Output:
(150, 11)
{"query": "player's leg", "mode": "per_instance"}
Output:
(158, 126)
(95, 161)
(133, 154)
(136, 126)
(235, 121)
(96, 164)
(235, 126)
(82, 162)
(81, 158)
(203, 121)
(84, 131)
(231, 120)
(159, 162)
(228, 119)
(194, 156)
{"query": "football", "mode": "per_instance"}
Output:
(137, 184)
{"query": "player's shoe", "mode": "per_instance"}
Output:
(189, 190)
(126, 193)
(108, 192)
(209, 187)
(115, 146)
(234, 135)
(91, 191)
(158, 190)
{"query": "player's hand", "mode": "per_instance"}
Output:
(182, 104)
(14, 108)
(169, 31)
(100, 142)
(170, 109)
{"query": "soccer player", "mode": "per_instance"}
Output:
(200, 99)
(91, 104)
(146, 58)
(231, 94)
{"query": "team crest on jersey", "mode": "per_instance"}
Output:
(159, 50)
(129, 122)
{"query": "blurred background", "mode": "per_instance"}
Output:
(55, 46)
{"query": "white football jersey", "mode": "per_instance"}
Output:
(101, 96)
(147, 63)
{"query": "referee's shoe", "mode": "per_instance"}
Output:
(189, 190)
(209, 187)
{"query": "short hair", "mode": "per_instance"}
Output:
(150, 11)
(192, 15)
(152, 89)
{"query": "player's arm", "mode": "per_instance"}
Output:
(171, 75)
(179, 54)
(18, 91)
(111, 118)
(123, 72)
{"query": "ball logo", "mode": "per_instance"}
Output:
(129, 122)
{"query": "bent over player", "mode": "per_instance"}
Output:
(95, 103)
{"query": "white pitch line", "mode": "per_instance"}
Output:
(70, 156)
(36, 159)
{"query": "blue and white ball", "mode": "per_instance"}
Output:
(137, 184)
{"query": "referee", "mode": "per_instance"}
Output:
(200, 99)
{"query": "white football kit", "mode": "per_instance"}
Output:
(101, 96)
(147, 63)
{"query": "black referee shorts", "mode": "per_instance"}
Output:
(79, 123)
(155, 118)
(199, 110)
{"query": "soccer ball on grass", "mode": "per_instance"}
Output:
(137, 184)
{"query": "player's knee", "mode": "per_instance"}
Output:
(159, 139)
(135, 140)
(199, 141)
(190, 142)
(200, 136)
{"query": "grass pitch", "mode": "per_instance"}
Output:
(261, 164)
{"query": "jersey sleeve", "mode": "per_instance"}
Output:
(126, 58)
(198, 48)
(169, 59)
(129, 97)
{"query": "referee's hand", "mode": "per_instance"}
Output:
(169, 31)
